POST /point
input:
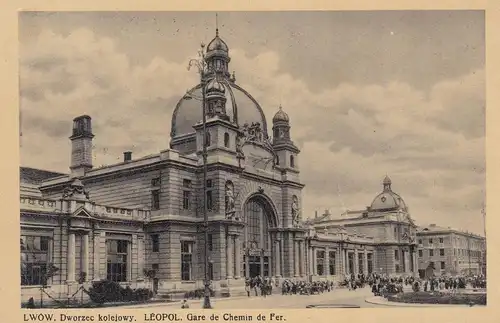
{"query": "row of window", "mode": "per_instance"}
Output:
(187, 191)
(431, 241)
(431, 253)
(35, 259)
(330, 265)
(443, 265)
(208, 139)
(155, 242)
(460, 252)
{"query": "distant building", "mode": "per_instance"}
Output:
(450, 251)
(386, 229)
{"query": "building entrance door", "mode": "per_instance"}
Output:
(254, 266)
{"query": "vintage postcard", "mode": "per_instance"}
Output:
(250, 160)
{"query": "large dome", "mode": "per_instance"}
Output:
(239, 103)
(387, 199)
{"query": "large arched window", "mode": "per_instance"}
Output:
(292, 161)
(257, 225)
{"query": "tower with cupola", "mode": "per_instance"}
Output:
(221, 121)
(286, 151)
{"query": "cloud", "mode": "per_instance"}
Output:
(430, 143)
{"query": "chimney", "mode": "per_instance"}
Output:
(81, 146)
(316, 214)
(127, 156)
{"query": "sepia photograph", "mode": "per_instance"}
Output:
(252, 160)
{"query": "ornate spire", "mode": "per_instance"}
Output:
(216, 25)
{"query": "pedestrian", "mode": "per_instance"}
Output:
(185, 304)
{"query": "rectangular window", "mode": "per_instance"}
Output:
(442, 265)
(34, 260)
(185, 199)
(441, 252)
(186, 194)
(210, 271)
(431, 253)
(155, 199)
(430, 241)
(370, 263)
(155, 182)
(360, 263)
(210, 242)
(350, 262)
(420, 253)
(210, 202)
(441, 240)
(320, 262)
(186, 260)
(117, 256)
(431, 264)
(397, 268)
(420, 241)
(396, 255)
(155, 241)
(331, 265)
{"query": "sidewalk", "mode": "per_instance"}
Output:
(378, 300)
(334, 295)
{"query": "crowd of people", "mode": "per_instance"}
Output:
(380, 284)
(263, 286)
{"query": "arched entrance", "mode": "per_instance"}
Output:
(259, 218)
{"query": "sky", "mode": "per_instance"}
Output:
(369, 94)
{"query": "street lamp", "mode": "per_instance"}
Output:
(200, 64)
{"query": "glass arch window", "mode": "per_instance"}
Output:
(257, 225)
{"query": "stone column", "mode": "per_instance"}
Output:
(71, 258)
(97, 250)
(327, 263)
(85, 254)
(311, 261)
(129, 259)
(140, 257)
(356, 269)
(277, 254)
(230, 255)
(415, 263)
(346, 262)
(237, 257)
(296, 255)
(302, 259)
(365, 260)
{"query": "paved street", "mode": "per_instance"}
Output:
(338, 297)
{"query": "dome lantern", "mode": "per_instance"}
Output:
(281, 116)
(387, 183)
(217, 56)
(281, 126)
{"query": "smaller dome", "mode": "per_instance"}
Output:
(217, 44)
(387, 180)
(214, 86)
(281, 116)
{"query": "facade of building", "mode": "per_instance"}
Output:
(450, 252)
(387, 230)
(119, 222)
